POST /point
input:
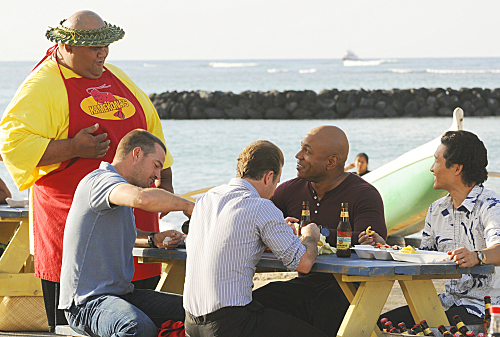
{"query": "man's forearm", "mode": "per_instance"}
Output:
(309, 257)
(56, 152)
(492, 255)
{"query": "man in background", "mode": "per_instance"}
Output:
(316, 297)
(67, 117)
(97, 268)
(229, 230)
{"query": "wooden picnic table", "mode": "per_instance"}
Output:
(17, 276)
(375, 278)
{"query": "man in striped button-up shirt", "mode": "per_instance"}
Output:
(229, 230)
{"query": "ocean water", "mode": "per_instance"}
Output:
(205, 151)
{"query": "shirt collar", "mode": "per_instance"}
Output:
(244, 184)
(468, 203)
(107, 166)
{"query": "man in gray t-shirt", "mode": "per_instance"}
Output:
(96, 290)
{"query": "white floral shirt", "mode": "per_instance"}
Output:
(475, 225)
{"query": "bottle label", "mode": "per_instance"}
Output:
(460, 324)
(427, 331)
(344, 214)
(487, 306)
(306, 212)
(343, 240)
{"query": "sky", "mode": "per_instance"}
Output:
(265, 29)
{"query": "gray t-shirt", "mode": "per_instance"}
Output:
(98, 241)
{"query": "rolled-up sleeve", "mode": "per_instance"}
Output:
(279, 237)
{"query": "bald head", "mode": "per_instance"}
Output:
(331, 140)
(84, 20)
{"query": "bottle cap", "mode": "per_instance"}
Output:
(383, 320)
(402, 323)
(469, 333)
(495, 309)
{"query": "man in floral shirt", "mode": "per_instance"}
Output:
(466, 224)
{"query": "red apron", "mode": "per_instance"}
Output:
(110, 103)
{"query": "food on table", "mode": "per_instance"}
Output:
(387, 247)
(409, 250)
(369, 232)
(324, 247)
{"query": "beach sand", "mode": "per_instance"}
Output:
(395, 300)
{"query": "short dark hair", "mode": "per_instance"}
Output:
(259, 158)
(362, 154)
(138, 138)
(465, 148)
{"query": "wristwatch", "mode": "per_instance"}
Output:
(480, 257)
(151, 240)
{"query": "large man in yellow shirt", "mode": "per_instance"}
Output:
(69, 115)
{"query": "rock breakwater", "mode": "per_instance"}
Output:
(328, 104)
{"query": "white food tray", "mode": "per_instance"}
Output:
(423, 257)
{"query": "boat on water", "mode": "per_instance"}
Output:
(350, 55)
(405, 184)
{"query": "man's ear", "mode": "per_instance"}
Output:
(137, 153)
(268, 178)
(458, 169)
(333, 161)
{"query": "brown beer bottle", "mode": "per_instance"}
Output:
(454, 330)
(425, 328)
(305, 218)
(402, 328)
(443, 331)
(487, 315)
(460, 325)
(344, 233)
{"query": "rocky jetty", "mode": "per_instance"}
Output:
(328, 104)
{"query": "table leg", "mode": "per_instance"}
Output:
(172, 279)
(17, 252)
(423, 301)
(364, 311)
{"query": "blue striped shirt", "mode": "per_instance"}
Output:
(475, 225)
(230, 227)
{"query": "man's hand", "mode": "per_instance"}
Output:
(85, 145)
(463, 257)
(371, 240)
(310, 231)
(174, 238)
(291, 222)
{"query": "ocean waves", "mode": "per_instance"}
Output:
(366, 63)
(232, 64)
(445, 71)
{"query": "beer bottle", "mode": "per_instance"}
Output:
(305, 218)
(425, 328)
(394, 330)
(454, 330)
(444, 332)
(388, 326)
(495, 321)
(383, 320)
(487, 315)
(344, 233)
(460, 325)
(417, 330)
(470, 334)
(402, 328)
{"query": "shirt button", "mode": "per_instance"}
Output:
(315, 197)
(315, 211)
(317, 204)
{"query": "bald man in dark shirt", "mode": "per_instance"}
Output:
(317, 298)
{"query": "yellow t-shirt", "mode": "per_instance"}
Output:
(39, 112)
